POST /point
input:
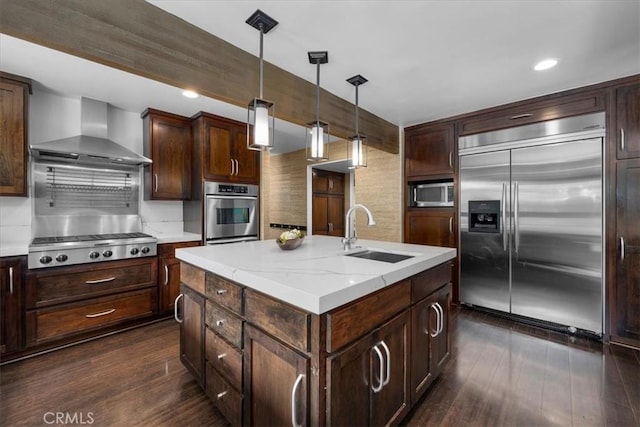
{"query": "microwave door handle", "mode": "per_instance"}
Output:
(415, 195)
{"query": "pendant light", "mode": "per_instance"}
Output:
(317, 139)
(357, 146)
(260, 114)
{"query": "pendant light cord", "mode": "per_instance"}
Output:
(357, 130)
(261, 66)
(318, 94)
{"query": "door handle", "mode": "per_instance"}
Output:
(503, 201)
(622, 142)
(451, 225)
(441, 316)
(175, 308)
(622, 248)
(380, 385)
(237, 166)
(155, 179)
(435, 333)
(516, 209)
(11, 280)
(388, 376)
(233, 167)
(450, 159)
(166, 275)
(294, 418)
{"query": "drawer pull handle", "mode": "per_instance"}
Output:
(520, 116)
(102, 313)
(221, 291)
(220, 322)
(221, 395)
(93, 282)
(221, 356)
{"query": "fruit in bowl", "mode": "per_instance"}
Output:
(290, 239)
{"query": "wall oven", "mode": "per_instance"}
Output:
(230, 212)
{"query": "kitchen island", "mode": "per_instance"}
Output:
(313, 336)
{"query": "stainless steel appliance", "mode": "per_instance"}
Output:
(431, 194)
(230, 212)
(531, 221)
(86, 198)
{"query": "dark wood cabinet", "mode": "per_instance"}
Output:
(625, 312)
(431, 226)
(169, 274)
(628, 121)
(11, 303)
(275, 382)
(220, 151)
(328, 203)
(14, 111)
(369, 380)
(65, 304)
(167, 141)
(430, 151)
(192, 332)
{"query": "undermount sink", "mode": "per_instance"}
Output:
(379, 256)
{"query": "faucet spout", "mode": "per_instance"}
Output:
(349, 233)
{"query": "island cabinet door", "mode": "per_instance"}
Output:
(275, 382)
(192, 332)
(368, 381)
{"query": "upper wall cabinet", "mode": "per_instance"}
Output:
(220, 150)
(628, 121)
(167, 141)
(526, 112)
(429, 150)
(14, 109)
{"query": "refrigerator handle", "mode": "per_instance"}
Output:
(503, 199)
(516, 208)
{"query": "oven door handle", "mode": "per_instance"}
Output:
(232, 197)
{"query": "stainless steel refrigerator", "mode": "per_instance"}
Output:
(531, 221)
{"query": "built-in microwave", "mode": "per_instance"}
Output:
(431, 194)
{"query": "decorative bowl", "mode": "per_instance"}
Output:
(290, 244)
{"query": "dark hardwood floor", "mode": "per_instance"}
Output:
(501, 374)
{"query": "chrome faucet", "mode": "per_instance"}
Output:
(350, 232)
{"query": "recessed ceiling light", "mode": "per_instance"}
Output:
(545, 64)
(190, 94)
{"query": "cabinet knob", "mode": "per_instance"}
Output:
(220, 322)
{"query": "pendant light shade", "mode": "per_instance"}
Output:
(317, 139)
(260, 114)
(357, 146)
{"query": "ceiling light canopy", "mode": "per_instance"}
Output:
(317, 139)
(260, 114)
(357, 146)
(545, 64)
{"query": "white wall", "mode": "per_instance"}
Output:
(53, 116)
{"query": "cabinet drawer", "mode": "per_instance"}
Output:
(224, 323)
(225, 358)
(224, 292)
(427, 282)
(76, 283)
(192, 277)
(547, 109)
(56, 322)
(283, 321)
(225, 397)
(350, 321)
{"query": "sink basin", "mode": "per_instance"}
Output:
(380, 256)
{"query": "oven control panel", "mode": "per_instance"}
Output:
(57, 257)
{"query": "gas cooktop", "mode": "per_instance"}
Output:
(86, 238)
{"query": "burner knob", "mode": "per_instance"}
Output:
(145, 250)
(107, 253)
(94, 255)
(61, 258)
(46, 259)
(134, 251)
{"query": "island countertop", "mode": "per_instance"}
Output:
(315, 277)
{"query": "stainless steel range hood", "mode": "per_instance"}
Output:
(92, 146)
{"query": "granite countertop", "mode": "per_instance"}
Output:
(316, 277)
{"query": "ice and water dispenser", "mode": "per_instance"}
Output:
(484, 216)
